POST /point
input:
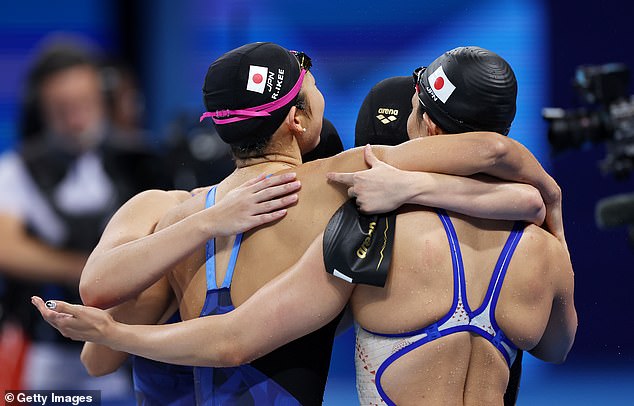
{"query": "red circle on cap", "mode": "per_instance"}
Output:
(257, 78)
(439, 83)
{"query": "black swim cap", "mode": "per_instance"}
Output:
(249, 76)
(382, 118)
(469, 89)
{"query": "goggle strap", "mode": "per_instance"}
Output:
(221, 116)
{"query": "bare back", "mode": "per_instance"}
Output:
(268, 250)
(460, 368)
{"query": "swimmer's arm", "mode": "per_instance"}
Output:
(560, 331)
(477, 196)
(294, 304)
(383, 188)
(131, 256)
(150, 307)
(128, 257)
(480, 152)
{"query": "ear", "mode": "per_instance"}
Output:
(293, 121)
(432, 128)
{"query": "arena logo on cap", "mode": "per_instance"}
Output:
(440, 87)
(257, 78)
(387, 115)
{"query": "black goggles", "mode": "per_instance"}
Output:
(304, 60)
(416, 75)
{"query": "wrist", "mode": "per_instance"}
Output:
(206, 223)
(114, 335)
(417, 188)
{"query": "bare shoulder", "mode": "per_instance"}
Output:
(180, 196)
(185, 206)
(537, 239)
(350, 160)
(548, 250)
(137, 217)
(152, 202)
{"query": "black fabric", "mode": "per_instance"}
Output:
(359, 246)
(382, 118)
(513, 387)
(329, 143)
(225, 88)
(484, 96)
(301, 366)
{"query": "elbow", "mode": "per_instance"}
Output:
(234, 354)
(553, 357)
(90, 294)
(94, 297)
(498, 148)
(553, 194)
(558, 357)
(96, 294)
(86, 293)
(93, 366)
(535, 207)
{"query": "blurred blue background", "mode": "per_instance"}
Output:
(354, 44)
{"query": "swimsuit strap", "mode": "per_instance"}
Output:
(210, 264)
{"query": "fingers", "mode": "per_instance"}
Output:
(276, 191)
(269, 217)
(39, 304)
(345, 178)
(262, 182)
(370, 158)
(55, 306)
(63, 307)
(253, 181)
(351, 193)
(52, 316)
(276, 204)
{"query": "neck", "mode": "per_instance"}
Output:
(283, 153)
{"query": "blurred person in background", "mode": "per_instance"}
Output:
(60, 187)
(125, 105)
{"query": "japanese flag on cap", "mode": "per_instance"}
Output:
(257, 78)
(440, 84)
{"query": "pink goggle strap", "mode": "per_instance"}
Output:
(220, 116)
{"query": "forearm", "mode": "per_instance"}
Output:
(486, 153)
(468, 154)
(100, 360)
(27, 258)
(221, 341)
(152, 306)
(477, 198)
(130, 268)
(516, 163)
(298, 302)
